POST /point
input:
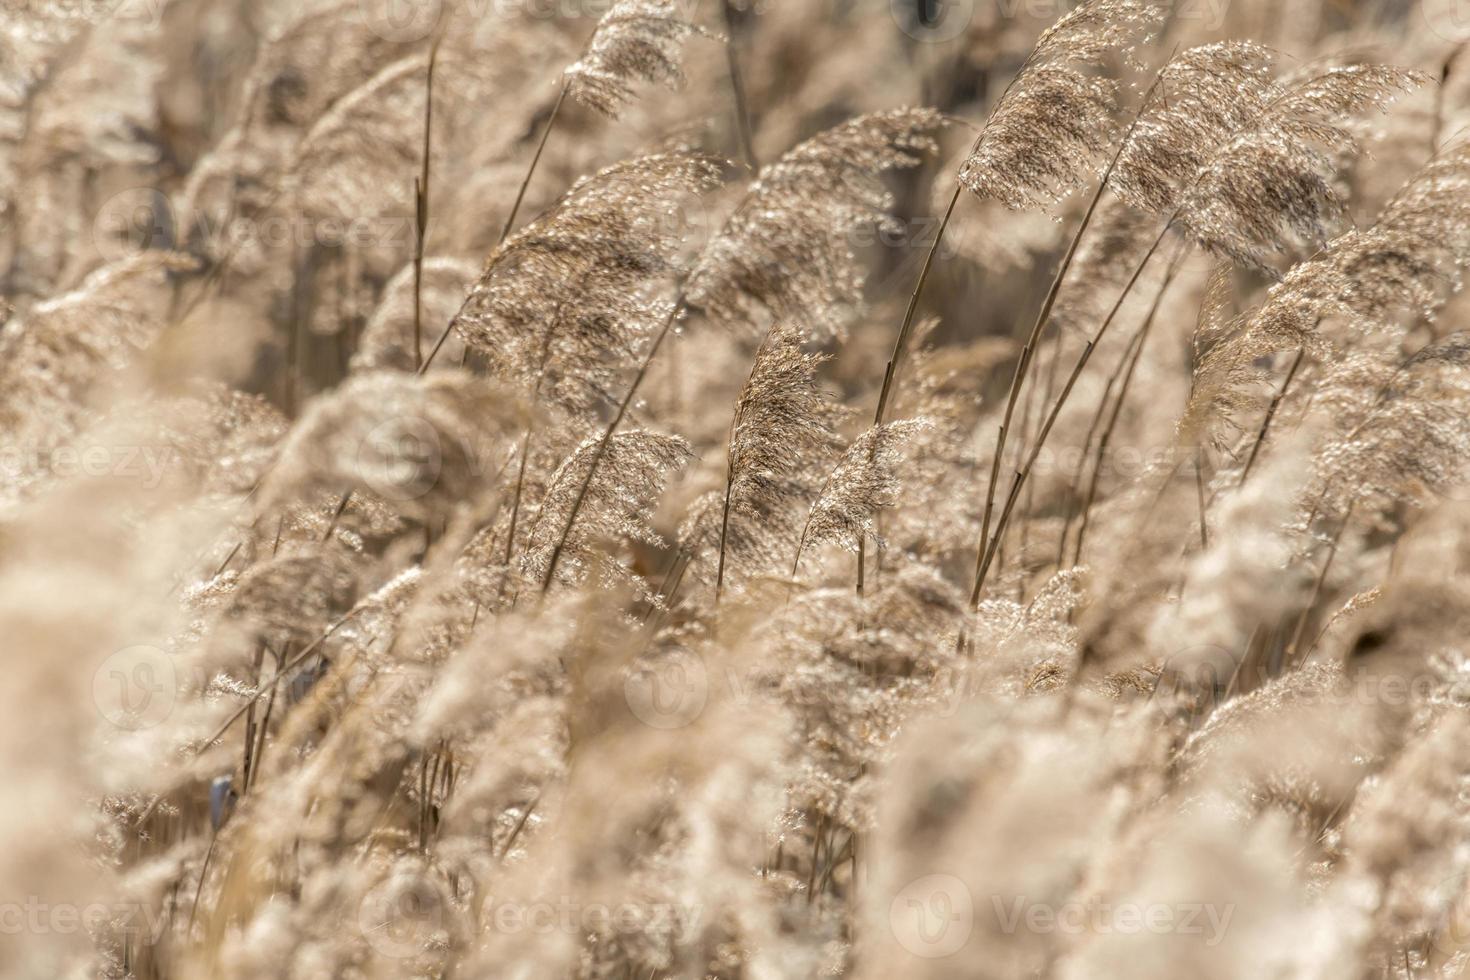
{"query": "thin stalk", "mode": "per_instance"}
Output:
(900, 343)
(264, 727)
(724, 530)
(515, 208)
(1044, 314)
(515, 507)
(1290, 656)
(987, 553)
(1128, 364)
(438, 345)
(1271, 414)
(284, 669)
(249, 740)
(341, 507)
(673, 575)
(1445, 71)
(421, 211)
(1028, 409)
(606, 440)
(737, 87)
(806, 529)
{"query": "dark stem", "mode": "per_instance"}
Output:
(737, 87)
(900, 343)
(1271, 414)
(1128, 364)
(421, 212)
(724, 530)
(987, 553)
(1290, 657)
(1044, 314)
(606, 440)
(515, 208)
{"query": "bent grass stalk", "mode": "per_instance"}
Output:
(1265, 428)
(987, 553)
(515, 208)
(607, 435)
(1023, 365)
(421, 210)
(1105, 440)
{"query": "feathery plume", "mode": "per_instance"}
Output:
(629, 474)
(782, 431)
(787, 251)
(387, 339)
(422, 445)
(636, 40)
(566, 302)
(1207, 94)
(864, 482)
(1057, 113)
(1407, 260)
(56, 354)
(1268, 191)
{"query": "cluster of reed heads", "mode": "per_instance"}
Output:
(617, 493)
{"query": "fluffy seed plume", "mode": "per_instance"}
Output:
(424, 445)
(1408, 260)
(787, 251)
(782, 432)
(1269, 191)
(387, 339)
(864, 482)
(564, 303)
(629, 477)
(636, 40)
(1205, 96)
(1057, 114)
